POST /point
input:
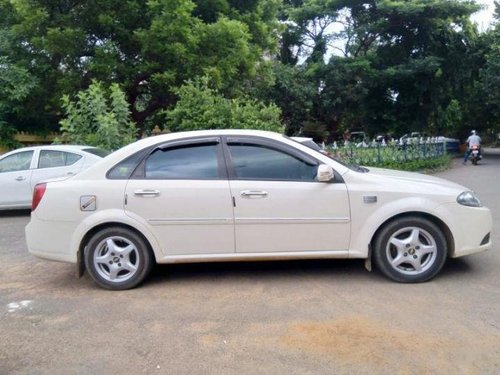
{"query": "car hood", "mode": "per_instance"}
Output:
(412, 181)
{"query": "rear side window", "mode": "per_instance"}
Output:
(52, 159)
(125, 168)
(97, 151)
(188, 162)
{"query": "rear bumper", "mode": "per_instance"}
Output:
(48, 241)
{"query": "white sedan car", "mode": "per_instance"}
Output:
(233, 195)
(22, 169)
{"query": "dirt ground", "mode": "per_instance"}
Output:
(300, 317)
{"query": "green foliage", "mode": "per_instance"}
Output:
(398, 65)
(419, 165)
(487, 89)
(7, 136)
(202, 107)
(418, 157)
(149, 47)
(450, 118)
(98, 117)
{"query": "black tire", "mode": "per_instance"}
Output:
(118, 258)
(410, 250)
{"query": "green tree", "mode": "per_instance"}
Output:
(201, 107)
(397, 64)
(98, 117)
(486, 98)
(149, 47)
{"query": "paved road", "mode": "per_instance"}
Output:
(317, 317)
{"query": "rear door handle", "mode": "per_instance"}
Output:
(20, 178)
(147, 193)
(254, 194)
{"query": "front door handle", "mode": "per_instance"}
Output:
(254, 194)
(20, 178)
(147, 193)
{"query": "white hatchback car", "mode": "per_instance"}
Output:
(22, 169)
(232, 195)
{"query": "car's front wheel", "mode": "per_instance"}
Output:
(410, 250)
(117, 258)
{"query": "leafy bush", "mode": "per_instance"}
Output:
(417, 157)
(98, 117)
(201, 107)
(7, 133)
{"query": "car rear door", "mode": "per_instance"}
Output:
(182, 192)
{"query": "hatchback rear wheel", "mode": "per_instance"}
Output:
(118, 258)
(410, 250)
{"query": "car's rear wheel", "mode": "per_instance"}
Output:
(410, 250)
(118, 258)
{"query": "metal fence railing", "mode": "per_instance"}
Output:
(379, 154)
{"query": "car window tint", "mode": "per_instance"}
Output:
(125, 168)
(52, 158)
(193, 162)
(72, 158)
(97, 151)
(17, 162)
(262, 163)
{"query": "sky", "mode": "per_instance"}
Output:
(484, 17)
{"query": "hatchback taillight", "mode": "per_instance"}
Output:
(38, 193)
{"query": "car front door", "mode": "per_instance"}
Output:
(182, 192)
(279, 204)
(15, 176)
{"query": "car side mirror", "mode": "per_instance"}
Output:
(325, 173)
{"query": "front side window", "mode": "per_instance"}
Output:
(20, 161)
(185, 162)
(52, 158)
(257, 162)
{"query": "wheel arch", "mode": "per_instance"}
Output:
(450, 242)
(88, 235)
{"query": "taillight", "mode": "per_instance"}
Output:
(38, 193)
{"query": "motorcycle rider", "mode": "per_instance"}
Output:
(473, 140)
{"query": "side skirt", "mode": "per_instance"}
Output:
(235, 257)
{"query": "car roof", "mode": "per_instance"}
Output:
(52, 147)
(103, 166)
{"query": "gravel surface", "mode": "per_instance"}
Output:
(301, 317)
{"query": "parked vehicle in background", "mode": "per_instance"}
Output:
(235, 195)
(22, 169)
(412, 138)
(358, 138)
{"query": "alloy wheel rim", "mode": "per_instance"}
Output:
(116, 259)
(411, 251)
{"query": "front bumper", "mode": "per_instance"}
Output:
(469, 227)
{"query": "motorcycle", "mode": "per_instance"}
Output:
(475, 154)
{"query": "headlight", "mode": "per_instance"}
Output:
(468, 198)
